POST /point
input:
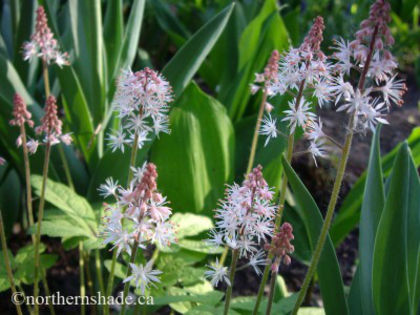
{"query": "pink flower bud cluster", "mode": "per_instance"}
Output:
(43, 44)
(280, 246)
(269, 75)
(312, 42)
(21, 115)
(51, 124)
(245, 216)
(139, 214)
(370, 103)
(141, 101)
(2, 161)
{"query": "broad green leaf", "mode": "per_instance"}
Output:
(211, 297)
(328, 270)
(373, 203)
(120, 270)
(59, 224)
(196, 160)
(390, 269)
(349, 213)
(24, 262)
(199, 246)
(246, 304)
(188, 224)
(65, 199)
(183, 66)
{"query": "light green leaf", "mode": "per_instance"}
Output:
(197, 155)
(65, 199)
(183, 66)
(199, 246)
(188, 224)
(328, 270)
(120, 270)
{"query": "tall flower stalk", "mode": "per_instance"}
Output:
(43, 45)
(267, 79)
(300, 70)
(244, 219)
(51, 129)
(141, 102)
(280, 249)
(22, 116)
(368, 55)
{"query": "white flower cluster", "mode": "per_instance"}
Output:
(244, 219)
(303, 70)
(139, 216)
(307, 70)
(141, 101)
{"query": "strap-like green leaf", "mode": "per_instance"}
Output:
(349, 213)
(373, 203)
(390, 281)
(330, 282)
(183, 66)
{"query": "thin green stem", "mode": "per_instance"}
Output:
(280, 208)
(129, 270)
(46, 79)
(337, 185)
(271, 292)
(99, 271)
(47, 291)
(29, 204)
(89, 280)
(65, 166)
(82, 277)
(235, 257)
(7, 261)
(261, 289)
(40, 217)
(27, 176)
(256, 131)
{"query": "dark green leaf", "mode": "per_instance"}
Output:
(183, 66)
(328, 269)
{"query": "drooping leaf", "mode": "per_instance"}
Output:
(328, 270)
